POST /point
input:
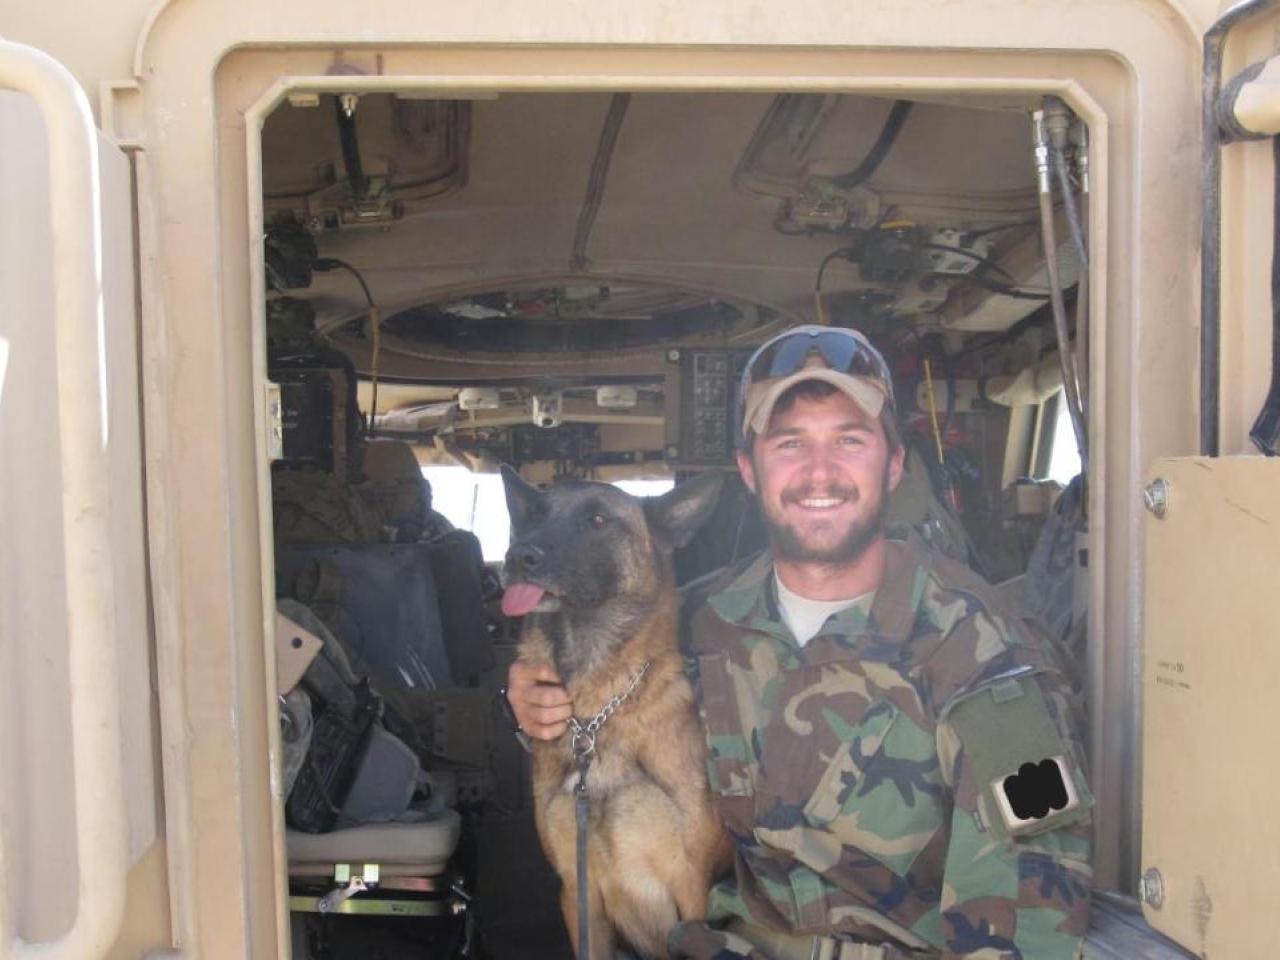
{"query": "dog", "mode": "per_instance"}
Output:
(591, 570)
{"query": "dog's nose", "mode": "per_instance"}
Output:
(525, 557)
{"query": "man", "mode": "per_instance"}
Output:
(897, 759)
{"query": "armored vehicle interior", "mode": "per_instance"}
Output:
(570, 283)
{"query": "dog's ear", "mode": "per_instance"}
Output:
(524, 501)
(679, 512)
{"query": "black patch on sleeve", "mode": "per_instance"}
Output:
(1036, 790)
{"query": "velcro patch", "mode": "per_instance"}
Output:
(1029, 781)
(1034, 793)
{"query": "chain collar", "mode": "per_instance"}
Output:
(583, 742)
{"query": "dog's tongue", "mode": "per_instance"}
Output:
(519, 598)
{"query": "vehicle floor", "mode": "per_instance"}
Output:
(1117, 931)
(517, 892)
(518, 918)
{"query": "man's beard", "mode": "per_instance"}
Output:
(788, 544)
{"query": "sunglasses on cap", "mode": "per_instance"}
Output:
(845, 351)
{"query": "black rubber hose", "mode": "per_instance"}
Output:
(596, 181)
(1066, 358)
(1211, 217)
(880, 150)
(351, 151)
(1073, 215)
(1265, 432)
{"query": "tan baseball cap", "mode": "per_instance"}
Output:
(865, 392)
(806, 353)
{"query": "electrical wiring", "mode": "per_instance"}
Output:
(844, 252)
(862, 172)
(984, 262)
(978, 277)
(1003, 289)
(325, 264)
(999, 228)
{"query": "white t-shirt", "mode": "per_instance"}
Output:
(805, 617)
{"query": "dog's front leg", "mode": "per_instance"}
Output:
(676, 764)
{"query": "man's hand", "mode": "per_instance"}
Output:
(542, 706)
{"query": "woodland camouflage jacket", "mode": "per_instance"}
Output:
(867, 777)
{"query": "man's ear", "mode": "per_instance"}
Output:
(679, 512)
(747, 470)
(524, 501)
(896, 462)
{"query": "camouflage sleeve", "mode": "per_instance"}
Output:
(1018, 869)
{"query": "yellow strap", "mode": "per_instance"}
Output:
(933, 409)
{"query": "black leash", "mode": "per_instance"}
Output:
(582, 809)
(583, 745)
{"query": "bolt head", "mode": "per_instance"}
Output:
(1155, 497)
(1151, 888)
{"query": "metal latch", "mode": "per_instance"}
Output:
(348, 886)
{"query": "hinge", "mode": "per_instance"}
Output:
(275, 422)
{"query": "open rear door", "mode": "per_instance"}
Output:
(78, 803)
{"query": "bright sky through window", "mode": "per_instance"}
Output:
(476, 502)
(1064, 457)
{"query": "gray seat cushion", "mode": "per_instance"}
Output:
(424, 845)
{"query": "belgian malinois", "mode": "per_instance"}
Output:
(590, 568)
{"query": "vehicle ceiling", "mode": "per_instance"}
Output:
(714, 213)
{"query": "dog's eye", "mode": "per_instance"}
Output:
(597, 520)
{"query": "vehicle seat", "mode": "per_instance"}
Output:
(420, 848)
(400, 865)
(380, 601)
(457, 564)
(382, 869)
(396, 490)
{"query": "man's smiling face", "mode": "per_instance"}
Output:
(822, 472)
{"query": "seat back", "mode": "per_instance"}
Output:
(380, 601)
(396, 490)
(458, 567)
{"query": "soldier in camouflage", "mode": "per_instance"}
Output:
(896, 757)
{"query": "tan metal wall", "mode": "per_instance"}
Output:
(38, 788)
(1209, 682)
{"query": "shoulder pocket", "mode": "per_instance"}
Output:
(1023, 767)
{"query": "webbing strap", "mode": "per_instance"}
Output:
(582, 809)
(776, 945)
